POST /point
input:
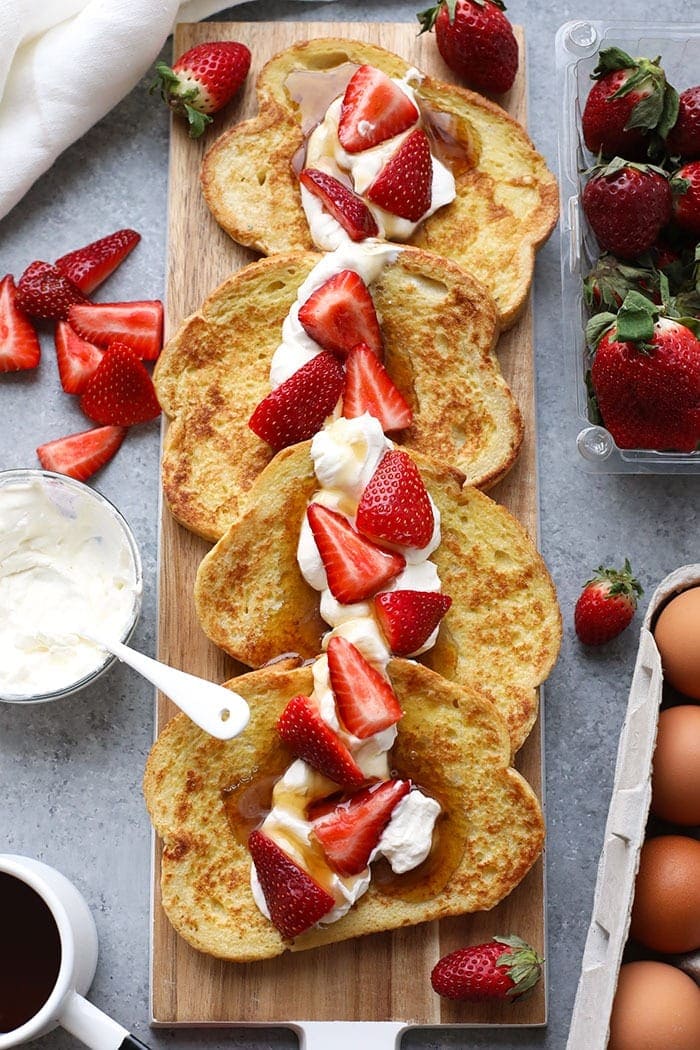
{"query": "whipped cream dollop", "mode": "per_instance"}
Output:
(345, 455)
(66, 565)
(325, 153)
(367, 258)
(405, 842)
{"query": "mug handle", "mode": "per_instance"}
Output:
(94, 1028)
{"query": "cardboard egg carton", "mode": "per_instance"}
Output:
(624, 833)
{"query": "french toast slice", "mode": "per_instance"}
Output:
(501, 634)
(506, 204)
(439, 327)
(451, 742)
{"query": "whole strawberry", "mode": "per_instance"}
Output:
(505, 968)
(606, 605)
(631, 108)
(476, 41)
(684, 137)
(646, 377)
(203, 80)
(686, 200)
(627, 205)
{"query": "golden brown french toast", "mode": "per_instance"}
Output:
(439, 327)
(450, 742)
(501, 635)
(506, 199)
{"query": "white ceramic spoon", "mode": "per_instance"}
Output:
(218, 711)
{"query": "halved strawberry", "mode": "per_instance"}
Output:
(89, 266)
(80, 455)
(297, 408)
(370, 388)
(138, 325)
(395, 505)
(365, 700)
(19, 343)
(43, 291)
(121, 390)
(374, 109)
(350, 833)
(340, 314)
(355, 568)
(306, 734)
(345, 206)
(408, 618)
(77, 359)
(294, 899)
(404, 185)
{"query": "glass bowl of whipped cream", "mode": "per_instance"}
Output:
(69, 566)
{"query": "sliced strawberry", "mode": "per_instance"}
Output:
(19, 343)
(355, 568)
(80, 455)
(294, 899)
(121, 390)
(138, 325)
(365, 700)
(306, 734)
(345, 206)
(404, 185)
(395, 505)
(297, 408)
(89, 266)
(340, 314)
(374, 109)
(350, 833)
(77, 359)
(408, 618)
(43, 291)
(370, 388)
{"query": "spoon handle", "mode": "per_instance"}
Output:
(219, 711)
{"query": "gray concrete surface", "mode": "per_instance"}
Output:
(70, 772)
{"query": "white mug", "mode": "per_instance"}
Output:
(77, 933)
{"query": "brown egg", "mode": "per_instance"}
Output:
(677, 635)
(656, 1007)
(666, 908)
(675, 780)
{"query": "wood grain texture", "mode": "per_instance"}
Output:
(383, 977)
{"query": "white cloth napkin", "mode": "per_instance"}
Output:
(64, 64)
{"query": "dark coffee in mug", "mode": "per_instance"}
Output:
(30, 952)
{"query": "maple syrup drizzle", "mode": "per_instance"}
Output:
(313, 90)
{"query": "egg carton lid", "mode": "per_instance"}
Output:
(624, 833)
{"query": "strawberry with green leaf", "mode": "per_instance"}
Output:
(627, 205)
(203, 81)
(606, 605)
(505, 968)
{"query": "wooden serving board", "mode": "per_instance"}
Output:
(385, 977)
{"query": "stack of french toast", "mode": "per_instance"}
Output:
(337, 410)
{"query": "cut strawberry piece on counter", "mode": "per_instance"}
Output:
(408, 618)
(395, 505)
(374, 109)
(19, 343)
(352, 830)
(306, 734)
(89, 266)
(345, 206)
(340, 314)
(121, 390)
(404, 185)
(294, 899)
(370, 388)
(43, 291)
(138, 325)
(77, 359)
(355, 568)
(81, 455)
(366, 702)
(297, 408)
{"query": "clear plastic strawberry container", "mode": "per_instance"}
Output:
(577, 46)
